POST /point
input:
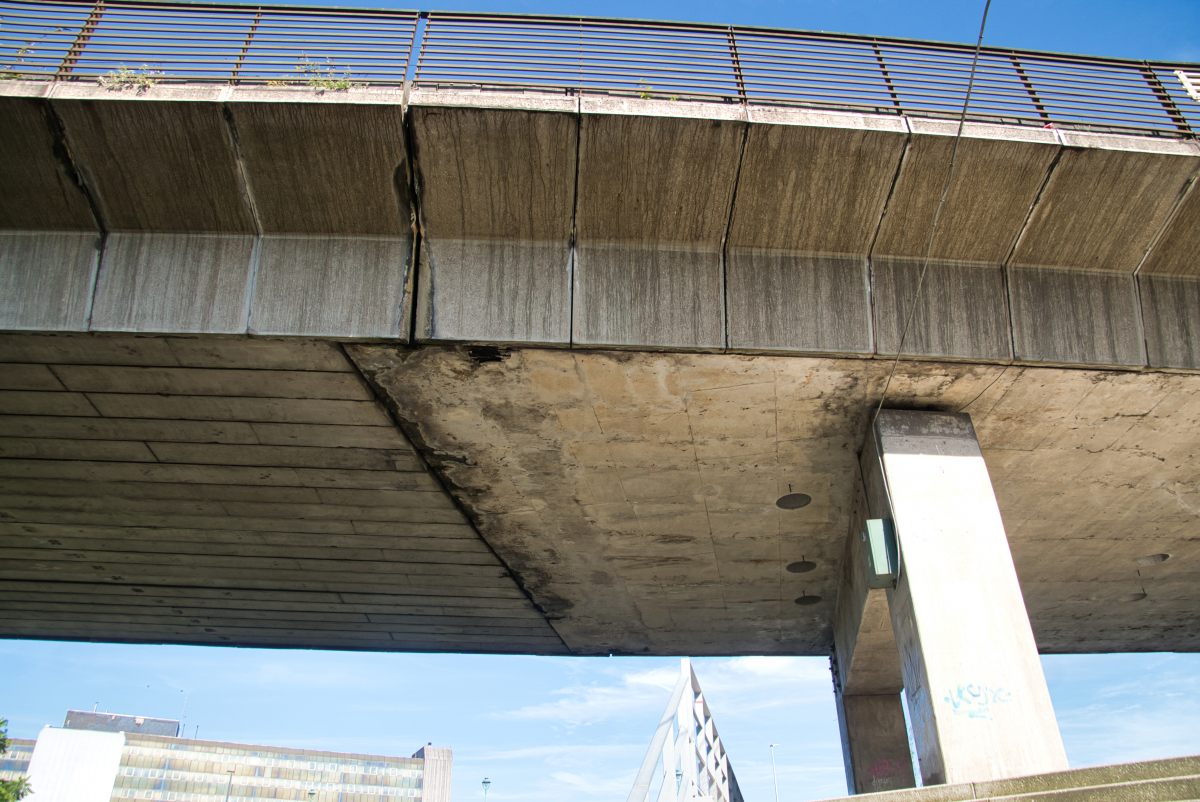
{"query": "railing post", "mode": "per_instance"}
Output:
(81, 39)
(237, 68)
(887, 78)
(1164, 97)
(1028, 84)
(737, 68)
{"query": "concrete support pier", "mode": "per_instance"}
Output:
(976, 693)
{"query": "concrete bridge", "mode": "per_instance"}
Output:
(454, 366)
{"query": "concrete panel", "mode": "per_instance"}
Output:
(637, 296)
(1177, 252)
(656, 179)
(492, 174)
(165, 165)
(875, 742)
(962, 312)
(319, 168)
(815, 186)
(333, 287)
(1171, 315)
(495, 291)
(1106, 199)
(75, 765)
(259, 354)
(175, 283)
(783, 301)
(997, 174)
(46, 280)
(40, 191)
(1075, 317)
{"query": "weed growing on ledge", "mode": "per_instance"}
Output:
(125, 78)
(323, 77)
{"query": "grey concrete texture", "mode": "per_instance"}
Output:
(634, 493)
(1169, 780)
(182, 493)
(46, 280)
(326, 286)
(669, 296)
(316, 168)
(41, 189)
(798, 303)
(957, 311)
(503, 167)
(1076, 317)
(175, 283)
(1171, 317)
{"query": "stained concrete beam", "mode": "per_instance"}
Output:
(497, 191)
(648, 266)
(961, 311)
(815, 181)
(1075, 317)
(325, 168)
(164, 165)
(1171, 315)
(175, 283)
(787, 302)
(998, 171)
(1105, 201)
(40, 188)
(46, 280)
(353, 287)
(1175, 252)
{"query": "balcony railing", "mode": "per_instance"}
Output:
(126, 42)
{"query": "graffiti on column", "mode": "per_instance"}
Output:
(977, 701)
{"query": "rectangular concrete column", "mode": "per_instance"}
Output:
(976, 693)
(866, 675)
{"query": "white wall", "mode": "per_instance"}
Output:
(74, 765)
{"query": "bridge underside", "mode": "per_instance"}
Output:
(305, 493)
(475, 371)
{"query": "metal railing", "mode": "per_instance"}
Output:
(140, 43)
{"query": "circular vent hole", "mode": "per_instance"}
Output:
(793, 501)
(805, 601)
(1153, 559)
(802, 567)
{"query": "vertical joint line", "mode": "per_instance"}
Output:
(409, 196)
(724, 255)
(572, 240)
(887, 203)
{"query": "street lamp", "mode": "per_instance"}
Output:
(486, 785)
(773, 773)
(229, 785)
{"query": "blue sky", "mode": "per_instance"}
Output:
(551, 728)
(576, 729)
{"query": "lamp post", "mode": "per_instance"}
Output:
(774, 774)
(486, 785)
(229, 785)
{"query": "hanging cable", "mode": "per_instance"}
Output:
(962, 118)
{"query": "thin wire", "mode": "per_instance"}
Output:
(962, 118)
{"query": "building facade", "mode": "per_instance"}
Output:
(87, 761)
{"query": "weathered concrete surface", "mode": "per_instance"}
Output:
(236, 492)
(496, 191)
(634, 493)
(998, 172)
(875, 743)
(46, 279)
(585, 222)
(977, 697)
(41, 190)
(1167, 780)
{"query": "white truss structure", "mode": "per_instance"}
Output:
(686, 744)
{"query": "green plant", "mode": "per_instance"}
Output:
(125, 78)
(11, 790)
(322, 77)
(644, 89)
(12, 73)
